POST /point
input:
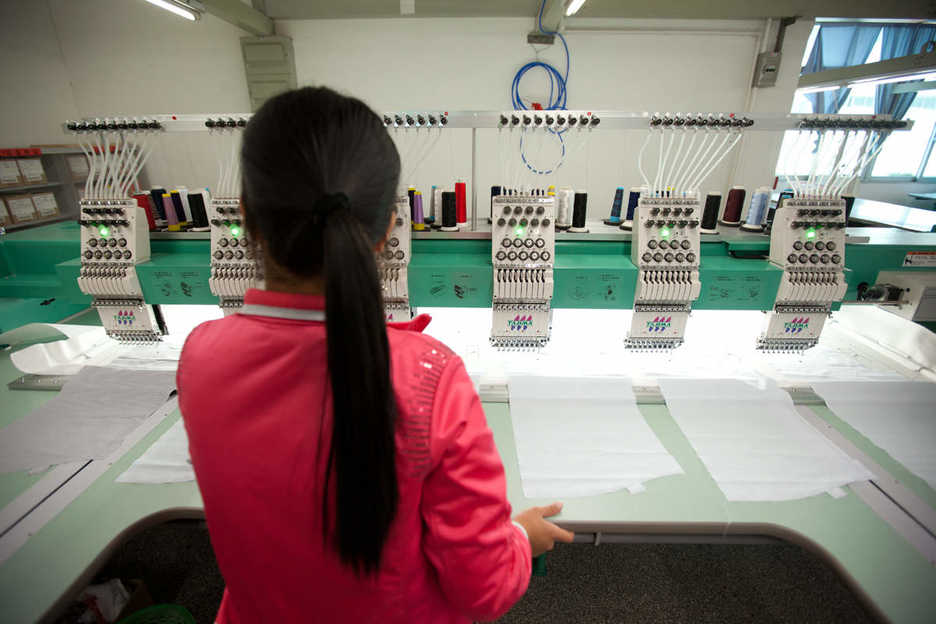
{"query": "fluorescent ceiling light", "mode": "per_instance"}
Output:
(573, 6)
(819, 89)
(176, 8)
(880, 81)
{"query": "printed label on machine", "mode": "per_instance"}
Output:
(920, 258)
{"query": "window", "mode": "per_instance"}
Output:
(904, 154)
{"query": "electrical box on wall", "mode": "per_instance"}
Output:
(270, 65)
(768, 65)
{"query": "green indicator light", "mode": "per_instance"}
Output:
(104, 230)
(664, 233)
(519, 231)
(810, 233)
(235, 231)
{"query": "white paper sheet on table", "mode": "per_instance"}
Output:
(754, 444)
(167, 461)
(899, 417)
(61, 357)
(91, 416)
(583, 436)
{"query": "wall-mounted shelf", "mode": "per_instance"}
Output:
(29, 187)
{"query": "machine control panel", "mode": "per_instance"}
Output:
(666, 250)
(233, 266)
(523, 249)
(393, 262)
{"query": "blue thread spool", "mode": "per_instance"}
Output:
(615, 218)
(757, 210)
(632, 200)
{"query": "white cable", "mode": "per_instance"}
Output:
(691, 157)
(810, 182)
(681, 161)
(640, 159)
(853, 163)
(837, 163)
(656, 178)
(667, 160)
(699, 160)
(708, 171)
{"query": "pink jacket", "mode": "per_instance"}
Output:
(257, 407)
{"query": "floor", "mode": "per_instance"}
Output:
(608, 583)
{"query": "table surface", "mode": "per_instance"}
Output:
(883, 564)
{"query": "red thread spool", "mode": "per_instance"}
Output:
(461, 204)
(733, 206)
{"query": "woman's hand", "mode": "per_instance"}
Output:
(542, 533)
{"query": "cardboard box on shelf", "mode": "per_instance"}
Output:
(9, 173)
(31, 170)
(4, 213)
(77, 166)
(21, 208)
(46, 206)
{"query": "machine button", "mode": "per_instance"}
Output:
(690, 257)
(529, 210)
(501, 255)
(654, 211)
(802, 212)
(103, 242)
(791, 258)
(512, 256)
(809, 246)
(798, 245)
(528, 243)
(223, 241)
(523, 255)
(244, 241)
(518, 210)
(388, 254)
(394, 242)
(671, 224)
(507, 210)
(98, 255)
(680, 257)
(218, 254)
(803, 258)
(652, 244)
(108, 255)
(517, 242)
(664, 212)
(523, 222)
(228, 254)
(118, 255)
(830, 246)
(668, 257)
(506, 242)
(88, 254)
(534, 256)
(545, 222)
(820, 245)
(647, 257)
(814, 258)
(92, 242)
(501, 222)
(649, 224)
(686, 244)
(511, 222)
(233, 242)
(545, 256)
(836, 258)
(127, 254)
(824, 258)
(122, 242)
(238, 254)
(658, 257)
(540, 210)
(534, 222)
(688, 211)
(677, 212)
(540, 243)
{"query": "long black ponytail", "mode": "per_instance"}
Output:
(320, 173)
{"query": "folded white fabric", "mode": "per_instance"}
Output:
(167, 461)
(583, 436)
(94, 412)
(899, 417)
(754, 444)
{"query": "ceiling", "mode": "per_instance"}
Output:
(678, 9)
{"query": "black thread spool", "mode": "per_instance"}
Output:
(449, 222)
(156, 194)
(710, 213)
(199, 212)
(849, 204)
(495, 191)
(579, 208)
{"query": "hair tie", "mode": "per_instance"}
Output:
(328, 205)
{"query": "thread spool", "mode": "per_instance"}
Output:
(709, 223)
(418, 221)
(461, 203)
(435, 205)
(411, 194)
(849, 204)
(615, 217)
(495, 191)
(579, 209)
(632, 199)
(172, 219)
(156, 195)
(564, 199)
(754, 222)
(449, 214)
(199, 214)
(733, 206)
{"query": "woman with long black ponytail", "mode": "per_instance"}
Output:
(346, 468)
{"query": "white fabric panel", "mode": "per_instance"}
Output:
(899, 417)
(167, 461)
(94, 411)
(61, 357)
(754, 444)
(583, 436)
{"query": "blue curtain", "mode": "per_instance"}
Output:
(900, 40)
(838, 45)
